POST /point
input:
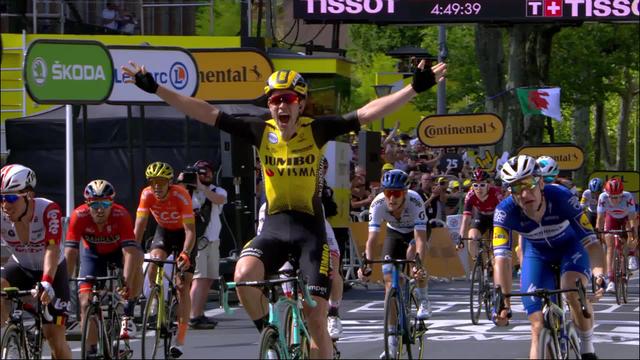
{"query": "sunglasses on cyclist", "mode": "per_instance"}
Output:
(284, 98)
(95, 205)
(520, 186)
(11, 198)
(395, 193)
(479, 185)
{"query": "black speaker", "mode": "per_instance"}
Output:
(369, 154)
(236, 157)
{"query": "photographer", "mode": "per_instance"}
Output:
(207, 205)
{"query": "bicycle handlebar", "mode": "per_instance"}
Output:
(94, 279)
(545, 294)
(224, 287)
(14, 293)
(159, 261)
(416, 261)
(460, 244)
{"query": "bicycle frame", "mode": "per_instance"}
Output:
(33, 348)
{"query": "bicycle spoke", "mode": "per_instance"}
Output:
(151, 328)
(475, 292)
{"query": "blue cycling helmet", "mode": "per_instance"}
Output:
(395, 180)
(595, 185)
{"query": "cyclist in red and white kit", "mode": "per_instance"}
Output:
(617, 211)
(105, 230)
(479, 205)
(31, 228)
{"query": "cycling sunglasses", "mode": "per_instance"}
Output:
(520, 186)
(395, 193)
(11, 198)
(95, 205)
(284, 98)
(480, 185)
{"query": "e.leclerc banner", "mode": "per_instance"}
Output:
(172, 67)
(568, 156)
(68, 72)
(460, 130)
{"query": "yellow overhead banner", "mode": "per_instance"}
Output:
(460, 130)
(231, 75)
(568, 156)
(630, 179)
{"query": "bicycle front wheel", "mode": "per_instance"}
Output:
(572, 344)
(171, 324)
(151, 326)
(13, 346)
(113, 328)
(547, 345)
(303, 350)
(475, 292)
(618, 271)
(393, 332)
(269, 347)
(624, 281)
(93, 322)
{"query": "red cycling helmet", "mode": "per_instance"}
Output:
(479, 175)
(614, 187)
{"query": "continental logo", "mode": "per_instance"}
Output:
(568, 157)
(500, 236)
(460, 130)
(241, 74)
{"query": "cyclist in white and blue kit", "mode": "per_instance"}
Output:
(555, 231)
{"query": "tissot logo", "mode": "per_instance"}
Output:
(579, 8)
(350, 6)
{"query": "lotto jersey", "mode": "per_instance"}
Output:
(290, 168)
(563, 222)
(45, 229)
(412, 217)
(171, 212)
(486, 206)
(626, 206)
(589, 202)
(115, 234)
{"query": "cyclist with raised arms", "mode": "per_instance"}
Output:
(617, 211)
(403, 210)
(554, 231)
(172, 209)
(589, 200)
(105, 229)
(289, 146)
(479, 205)
(31, 228)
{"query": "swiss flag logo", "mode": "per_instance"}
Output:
(553, 8)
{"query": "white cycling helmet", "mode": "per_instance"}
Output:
(518, 167)
(15, 178)
(548, 166)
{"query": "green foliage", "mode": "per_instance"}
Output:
(226, 21)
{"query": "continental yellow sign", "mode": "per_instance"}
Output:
(460, 130)
(568, 157)
(630, 179)
(231, 75)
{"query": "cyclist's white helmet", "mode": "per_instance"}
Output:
(15, 178)
(548, 166)
(518, 167)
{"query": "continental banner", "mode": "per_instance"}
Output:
(630, 179)
(460, 130)
(231, 75)
(568, 156)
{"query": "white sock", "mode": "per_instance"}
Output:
(586, 344)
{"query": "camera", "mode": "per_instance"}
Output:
(190, 177)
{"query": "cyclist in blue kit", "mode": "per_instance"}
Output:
(555, 231)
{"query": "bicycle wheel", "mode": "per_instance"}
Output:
(34, 340)
(573, 343)
(391, 331)
(487, 285)
(13, 346)
(113, 329)
(151, 327)
(92, 318)
(618, 263)
(269, 347)
(418, 327)
(625, 278)
(171, 324)
(475, 292)
(546, 345)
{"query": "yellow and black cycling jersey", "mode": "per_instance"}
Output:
(290, 168)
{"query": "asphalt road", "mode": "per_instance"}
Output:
(451, 334)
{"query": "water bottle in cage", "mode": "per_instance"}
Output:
(287, 271)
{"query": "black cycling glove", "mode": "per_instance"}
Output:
(423, 80)
(146, 82)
